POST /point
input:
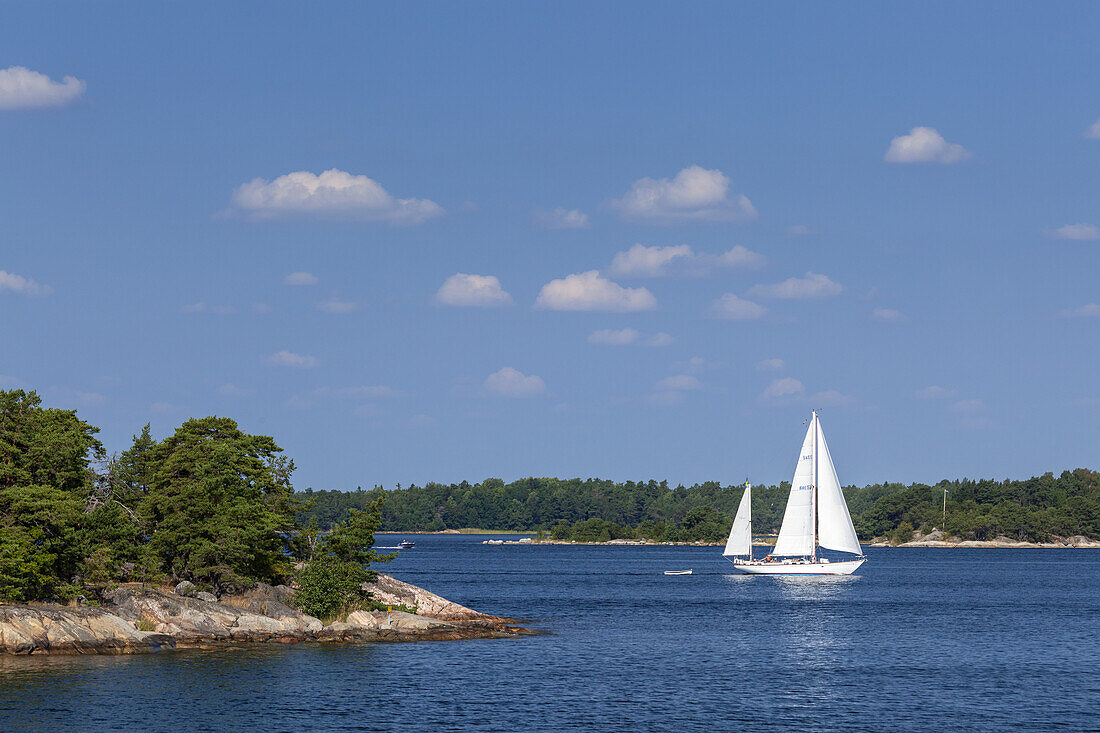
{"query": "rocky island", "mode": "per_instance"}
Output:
(135, 618)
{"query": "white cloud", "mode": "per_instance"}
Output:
(290, 359)
(1091, 310)
(695, 194)
(968, 406)
(887, 314)
(771, 365)
(261, 309)
(924, 145)
(812, 285)
(698, 364)
(161, 407)
(659, 339)
(741, 256)
(666, 399)
(657, 261)
(798, 230)
(21, 88)
(587, 291)
(935, 392)
(13, 283)
(203, 307)
(472, 290)
(785, 387)
(731, 307)
(300, 278)
(610, 337)
(830, 398)
(332, 194)
(514, 383)
(335, 305)
(1077, 231)
(561, 218)
(9, 382)
(231, 390)
(642, 261)
(678, 382)
(1093, 131)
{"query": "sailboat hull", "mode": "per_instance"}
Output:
(846, 567)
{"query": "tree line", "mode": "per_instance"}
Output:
(1033, 509)
(210, 504)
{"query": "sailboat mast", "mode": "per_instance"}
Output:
(748, 488)
(813, 498)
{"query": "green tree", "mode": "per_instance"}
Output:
(45, 481)
(332, 582)
(219, 505)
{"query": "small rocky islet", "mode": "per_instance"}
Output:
(136, 618)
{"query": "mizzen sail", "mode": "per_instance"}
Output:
(740, 541)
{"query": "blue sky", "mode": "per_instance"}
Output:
(570, 239)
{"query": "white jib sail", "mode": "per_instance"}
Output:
(834, 523)
(796, 535)
(740, 541)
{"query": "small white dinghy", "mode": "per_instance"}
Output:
(677, 572)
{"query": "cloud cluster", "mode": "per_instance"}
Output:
(1077, 231)
(337, 306)
(734, 308)
(694, 194)
(679, 382)
(290, 359)
(561, 218)
(771, 365)
(588, 291)
(812, 285)
(482, 291)
(332, 194)
(12, 283)
(1093, 131)
(628, 337)
(657, 261)
(783, 387)
(924, 145)
(300, 278)
(204, 307)
(511, 382)
(1091, 310)
(887, 314)
(935, 392)
(21, 88)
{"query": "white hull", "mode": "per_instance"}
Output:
(846, 567)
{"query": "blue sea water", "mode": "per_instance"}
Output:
(918, 640)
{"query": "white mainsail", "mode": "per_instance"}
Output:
(796, 535)
(834, 523)
(740, 541)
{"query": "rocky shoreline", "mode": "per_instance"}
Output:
(933, 539)
(936, 538)
(136, 618)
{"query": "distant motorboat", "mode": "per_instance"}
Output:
(405, 544)
(494, 542)
(678, 572)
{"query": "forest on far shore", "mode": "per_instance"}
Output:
(1033, 509)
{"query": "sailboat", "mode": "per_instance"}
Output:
(816, 517)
